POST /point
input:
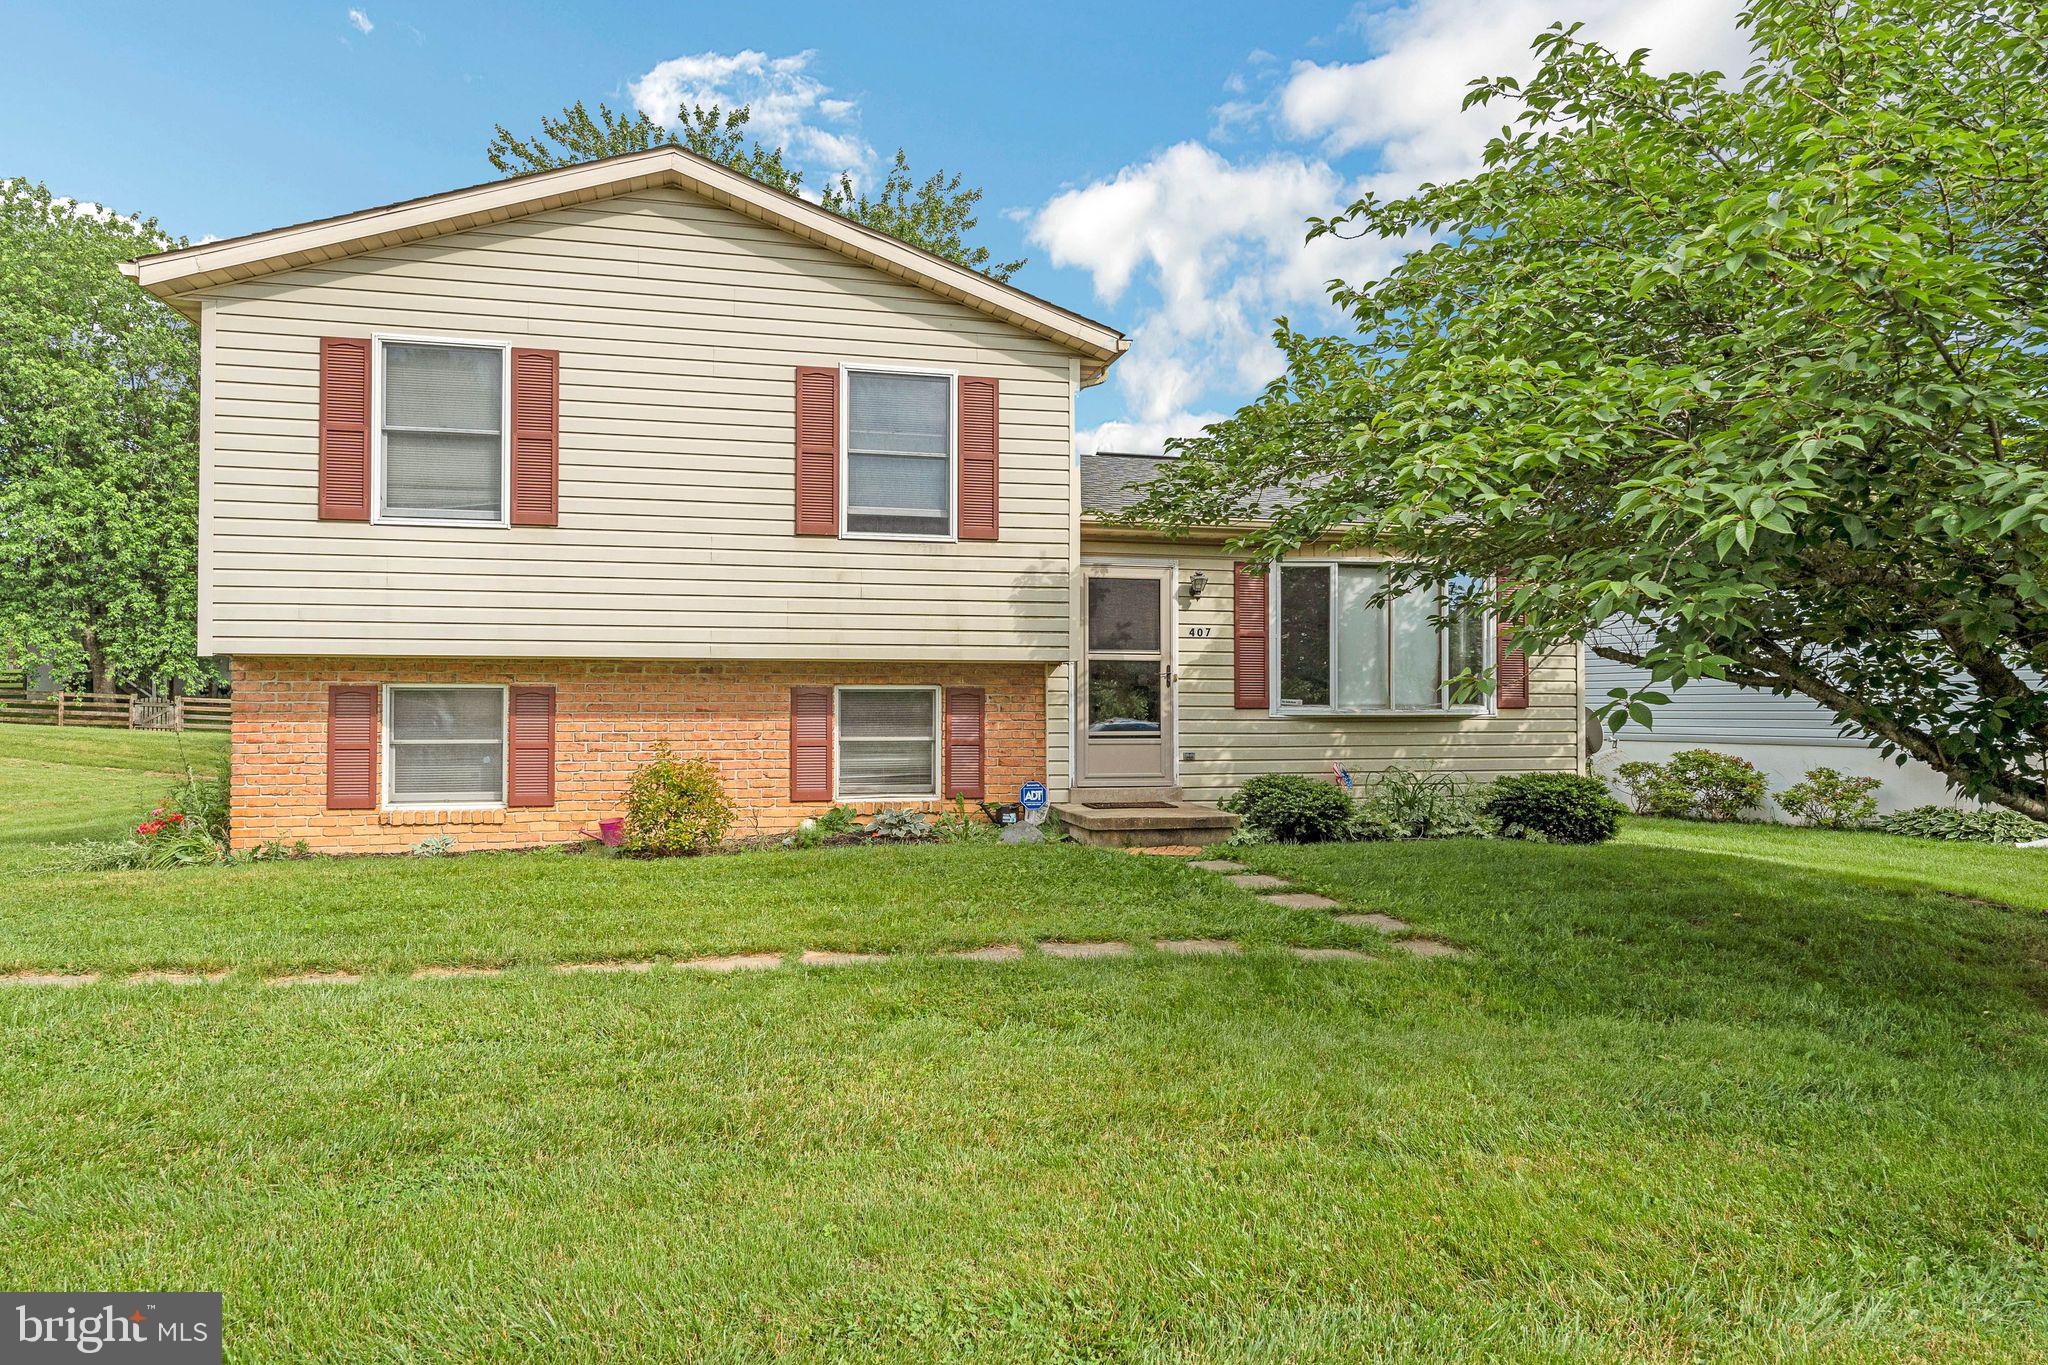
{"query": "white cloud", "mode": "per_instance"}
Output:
(1213, 246)
(1220, 244)
(791, 108)
(1143, 438)
(360, 20)
(1404, 103)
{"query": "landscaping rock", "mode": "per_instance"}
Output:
(1021, 833)
(1300, 900)
(1257, 881)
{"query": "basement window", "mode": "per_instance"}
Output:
(444, 747)
(888, 743)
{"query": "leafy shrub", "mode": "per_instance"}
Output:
(1292, 808)
(835, 823)
(1422, 803)
(1831, 801)
(1966, 826)
(675, 807)
(1652, 791)
(1563, 808)
(1371, 825)
(433, 846)
(901, 826)
(1720, 786)
(959, 827)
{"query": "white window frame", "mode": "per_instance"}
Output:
(388, 733)
(378, 516)
(952, 378)
(938, 742)
(1444, 706)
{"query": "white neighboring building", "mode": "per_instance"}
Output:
(1783, 736)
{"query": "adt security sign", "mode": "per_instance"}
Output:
(1031, 796)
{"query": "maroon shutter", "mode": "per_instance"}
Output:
(530, 747)
(1511, 672)
(980, 484)
(966, 709)
(536, 435)
(1248, 640)
(817, 451)
(351, 747)
(344, 429)
(810, 744)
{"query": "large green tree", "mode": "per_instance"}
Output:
(1755, 369)
(937, 213)
(98, 449)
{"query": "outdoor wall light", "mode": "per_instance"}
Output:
(1196, 582)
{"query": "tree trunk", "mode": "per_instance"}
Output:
(96, 663)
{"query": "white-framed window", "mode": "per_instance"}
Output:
(888, 740)
(444, 745)
(442, 416)
(1336, 653)
(900, 442)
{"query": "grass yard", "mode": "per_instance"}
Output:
(1694, 1094)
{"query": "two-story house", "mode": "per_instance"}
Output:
(503, 487)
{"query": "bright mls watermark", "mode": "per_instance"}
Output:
(163, 1329)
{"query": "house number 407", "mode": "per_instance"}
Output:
(1199, 632)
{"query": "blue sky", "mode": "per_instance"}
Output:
(1154, 161)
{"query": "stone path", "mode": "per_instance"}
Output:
(1274, 890)
(1277, 891)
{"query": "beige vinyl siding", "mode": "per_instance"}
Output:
(680, 325)
(1230, 745)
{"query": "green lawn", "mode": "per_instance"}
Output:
(1682, 1102)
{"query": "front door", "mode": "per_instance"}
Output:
(1126, 685)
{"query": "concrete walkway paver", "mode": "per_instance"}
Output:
(177, 978)
(1330, 954)
(48, 978)
(1199, 947)
(1429, 947)
(1385, 924)
(1063, 949)
(316, 979)
(816, 958)
(567, 968)
(1300, 900)
(451, 973)
(1257, 881)
(1218, 865)
(737, 962)
(995, 952)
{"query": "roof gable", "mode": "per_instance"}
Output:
(175, 276)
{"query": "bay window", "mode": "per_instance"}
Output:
(1336, 650)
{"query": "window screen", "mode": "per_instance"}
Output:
(888, 743)
(899, 454)
(444, 453)
(446, 745)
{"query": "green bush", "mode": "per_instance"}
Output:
(1829, 800)
(1652, 791)
(1293, 808)
(1563, 808)
(1965, 826)
(1422, 803)
(902, 826)
(1695, 784)
(675, 807)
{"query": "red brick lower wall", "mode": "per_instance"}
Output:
(609, 718)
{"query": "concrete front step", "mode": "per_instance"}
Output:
(1124, 823)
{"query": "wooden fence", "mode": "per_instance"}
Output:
(115, 712)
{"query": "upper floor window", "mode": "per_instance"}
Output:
(442, 432)
(899, 454)
(1337, 652)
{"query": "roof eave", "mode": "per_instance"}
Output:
(175, 274)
